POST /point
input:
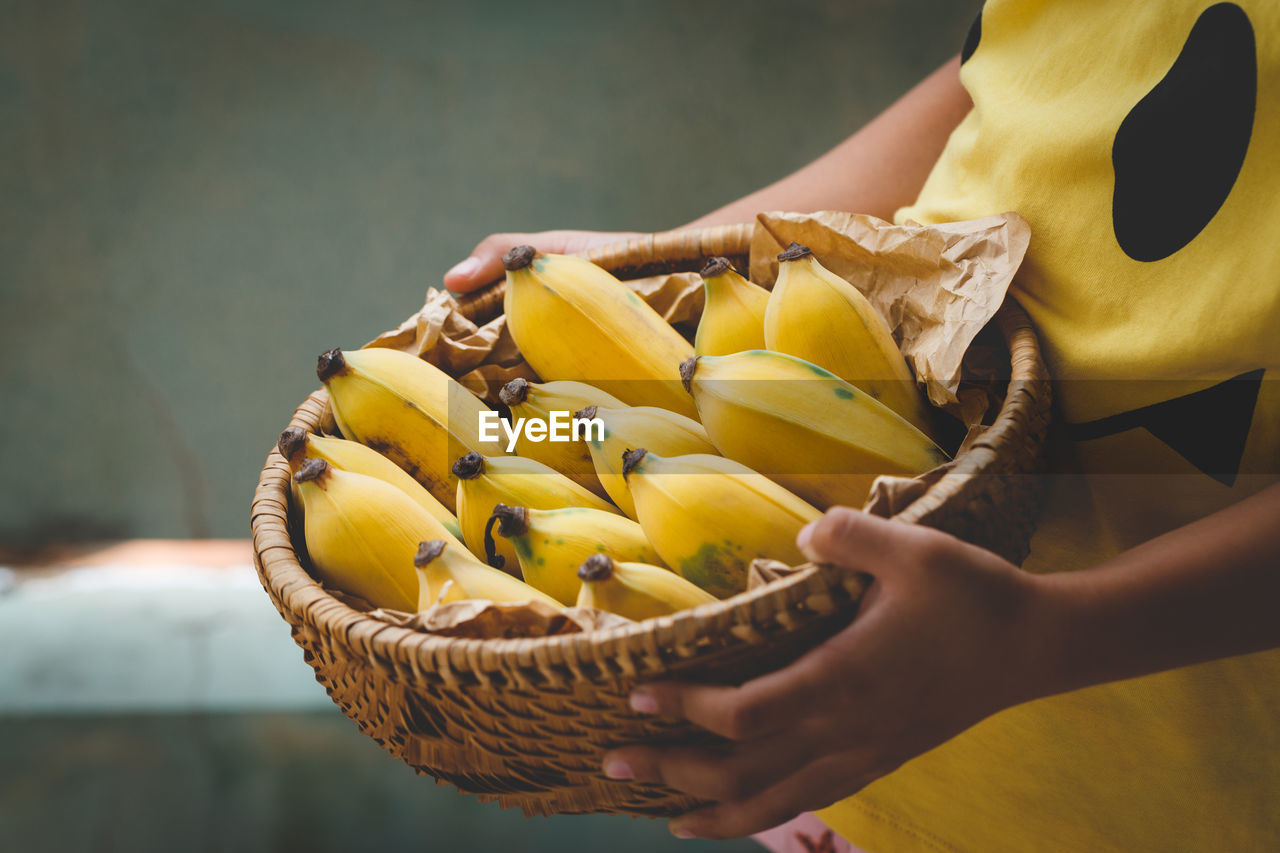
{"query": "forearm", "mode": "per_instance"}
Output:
(1204, 591)
(877, 170)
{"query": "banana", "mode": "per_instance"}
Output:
(539, 401)
(662, 431)
(709, 517)
(804, 427)
(636, 590)
(816, 315)
(297, 445)
(733, 314)
(551, 544)
(483, 483)
(408, 410)
(448, 572)
(573, 320)
(362, 533)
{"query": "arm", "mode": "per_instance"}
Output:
(877, 170)
(1204, 591)
(948, 635)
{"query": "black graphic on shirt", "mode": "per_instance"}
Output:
(1207, 428)
(1179, 150)
(971, 39)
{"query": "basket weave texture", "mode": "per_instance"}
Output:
(526, 722)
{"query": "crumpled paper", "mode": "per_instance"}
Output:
(481, 358)
(936, 285)
(891, 495)
(488, 620)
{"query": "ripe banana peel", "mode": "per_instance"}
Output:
(485, 482)
(636, 590)
(662, 431)
(539, 400)
(297, 445)
(816, 315)
(406, 409)
(709, 517)
(733, 312)
(551, 544)
(447, 572)
(362, 533)
(804, 427)
(573, 320)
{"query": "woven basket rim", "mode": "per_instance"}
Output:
(282, 572)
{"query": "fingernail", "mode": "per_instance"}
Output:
(464, 269)
(616, 768)
(679, 831)
(642, 702)
(805, 534)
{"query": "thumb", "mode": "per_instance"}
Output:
(858, 540)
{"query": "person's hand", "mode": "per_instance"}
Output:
(945, 636)
(484, 264)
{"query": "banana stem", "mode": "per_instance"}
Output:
(469, 466)
(312, 469)
(330, 364)
(795, 252)
(688, 367)
(428, 551)
(514, 392)
(518, 258)
(291, 443)
(597, 567)
(512, 521)
(630, 459)
(715, 267)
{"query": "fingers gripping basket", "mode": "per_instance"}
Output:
(526, 722)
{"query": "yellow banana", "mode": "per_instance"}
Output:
(483, 483)
(573, 320)
(733, 313)
(636, 590)
(551, 544)
(804, 427)
(541, 402)
(709, 517)
(297, 445)
(447, 572)
(362, 533)
(408, 410)
(662, 431)
(816, 315)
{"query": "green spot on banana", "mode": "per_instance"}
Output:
(714, 568)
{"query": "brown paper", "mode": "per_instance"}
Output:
(763, 571)
(489, 620)
(891, 495)
(936, 285)
(482, 358)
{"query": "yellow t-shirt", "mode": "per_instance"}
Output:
(1141, 140)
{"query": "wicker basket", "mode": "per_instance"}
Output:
(526, 722)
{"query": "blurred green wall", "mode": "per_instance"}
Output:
(198, 198)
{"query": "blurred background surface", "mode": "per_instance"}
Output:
(198, 198)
